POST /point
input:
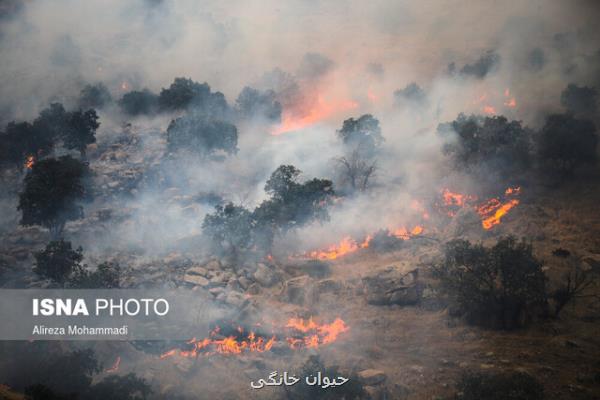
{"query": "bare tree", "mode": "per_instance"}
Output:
(356, 170)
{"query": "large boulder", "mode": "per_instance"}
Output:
(390, 286)
(265, 276)
(297, 290)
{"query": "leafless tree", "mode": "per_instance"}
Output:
(356, 170)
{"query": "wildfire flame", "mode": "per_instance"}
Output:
(115, 366)
(299, 334)
(348, 245)
(491, 211)
(322, 109)
(29, 162)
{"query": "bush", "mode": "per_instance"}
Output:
(363, 134)
(184, 93)
(252, 103)
(202, 136)
(94, 96)
(494, 142)
(412, 94)
(566, 142)
(69, 376)
(58, 261)
(230, 228)
(106, 276)
(579, 99)
(506, 386)
(499, 287)
(139, 102)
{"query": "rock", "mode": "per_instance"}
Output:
(253, 289)
(371, 377)
(265, 276)
(328, 286)
(196, 280)
(216, 291)
(314, 268)
(218, 280)
(244, 282)
(197, 271)
(213, 265)
(295, 290)
(236, 299)
(389, 286)
(234, 285)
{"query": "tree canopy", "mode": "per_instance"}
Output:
(579, 99)
(52, 194)
(504, 146)
(200, 135)
(566, 142)
(139, 102)
(252, 103)
(363, 134)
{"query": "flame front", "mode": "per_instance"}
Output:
(299, 333)
(321, 110)
(29, 162)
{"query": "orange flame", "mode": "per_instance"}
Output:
(321, 110)
(493, 210)
(303, 333)
(29, 162)
(490, 110)
(115, 366)
(501, 211)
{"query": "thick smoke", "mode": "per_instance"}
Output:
(310, 65)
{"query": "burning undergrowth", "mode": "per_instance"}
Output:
(444, 207)
(230, 338)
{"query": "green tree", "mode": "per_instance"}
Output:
(202, 136)
(81, 130)
(501, 145)
(58, 261)
(137, 102)
(566, 142)
(106, 276)
(52, 193)
(185, 93)
(363, 134)
(94, 96)
(292, 203)
(230, 228)
(579, 99)
(252, 103)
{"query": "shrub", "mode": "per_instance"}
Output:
(58, 261)
(566, 142)
(363, 134)
(497, 287)
(137, 102)
(579, 99)
(106, 276)
(94, 96)
(202, 136)
(501, 145)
